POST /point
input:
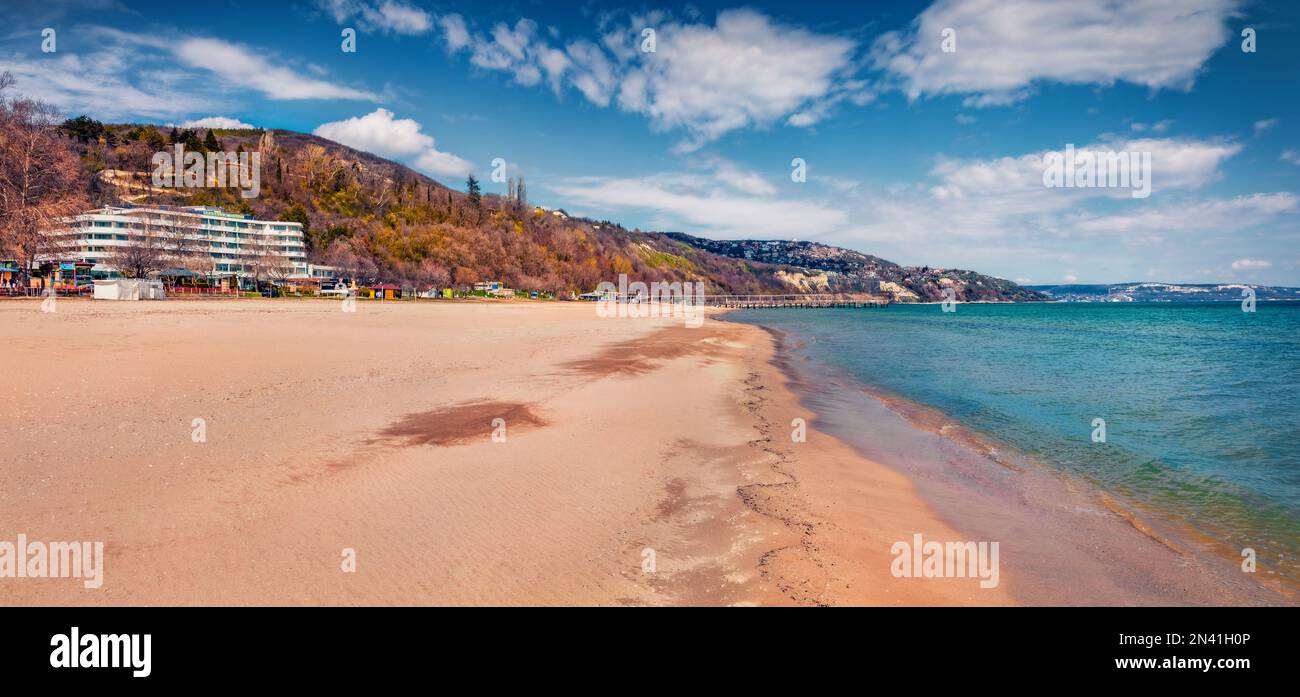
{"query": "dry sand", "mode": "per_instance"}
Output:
(372, 431)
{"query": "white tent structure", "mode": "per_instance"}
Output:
(130, 289)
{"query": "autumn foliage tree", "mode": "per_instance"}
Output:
(40, 176)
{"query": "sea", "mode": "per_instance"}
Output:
(1187, 414)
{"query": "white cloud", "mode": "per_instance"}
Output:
(995, 215)
(1070, 278)
(742, 180)
(1290, 156)
(385, 15)
(1186, 216)
(1265, 124)
(245, 67)
(700, 204)
(1242, 264)
(442, 164)
(1157, 127)
(97, 84)
(1005, 47)
(454, 32)
(742, 71)
(380, 133)
(746, 70)
(1016, 182)
(217, 122)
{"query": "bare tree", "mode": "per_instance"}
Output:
(142, 254)
(341, 256)
(41, 181)
(266, 261)
(352, 262)
(185, 249)
(434, 274)
(516, 195)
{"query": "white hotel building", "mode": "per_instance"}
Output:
(234, 242)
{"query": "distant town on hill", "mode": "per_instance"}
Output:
(1163, 292)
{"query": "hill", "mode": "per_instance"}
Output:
(1163, 292)
(823, 266)
(392, 223)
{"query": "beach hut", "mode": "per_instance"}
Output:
(386, 291)
(9, 276)
(63, 276)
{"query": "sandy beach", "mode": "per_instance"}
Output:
(461, 454)
(372, 432)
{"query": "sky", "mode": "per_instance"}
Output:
(922, 129)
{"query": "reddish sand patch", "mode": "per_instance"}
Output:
(644, 355)
(461, 423)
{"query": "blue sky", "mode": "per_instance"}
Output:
(913, 153)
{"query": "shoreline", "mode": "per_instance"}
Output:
(1161, 581)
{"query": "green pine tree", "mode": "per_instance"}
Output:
(475, 195)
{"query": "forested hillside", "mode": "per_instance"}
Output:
(388, 222)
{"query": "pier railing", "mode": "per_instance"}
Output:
(795, 300)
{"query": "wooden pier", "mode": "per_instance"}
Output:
(795, 300)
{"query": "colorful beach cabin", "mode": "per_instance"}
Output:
(9, 282)
(493, 289)
(385, 291)
(64, 276)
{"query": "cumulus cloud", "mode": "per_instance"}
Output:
(217, 122)
(380, 133)
(1005, 47)
(386, 15)
(744, 70)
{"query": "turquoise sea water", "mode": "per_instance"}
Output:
(1200, 400)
